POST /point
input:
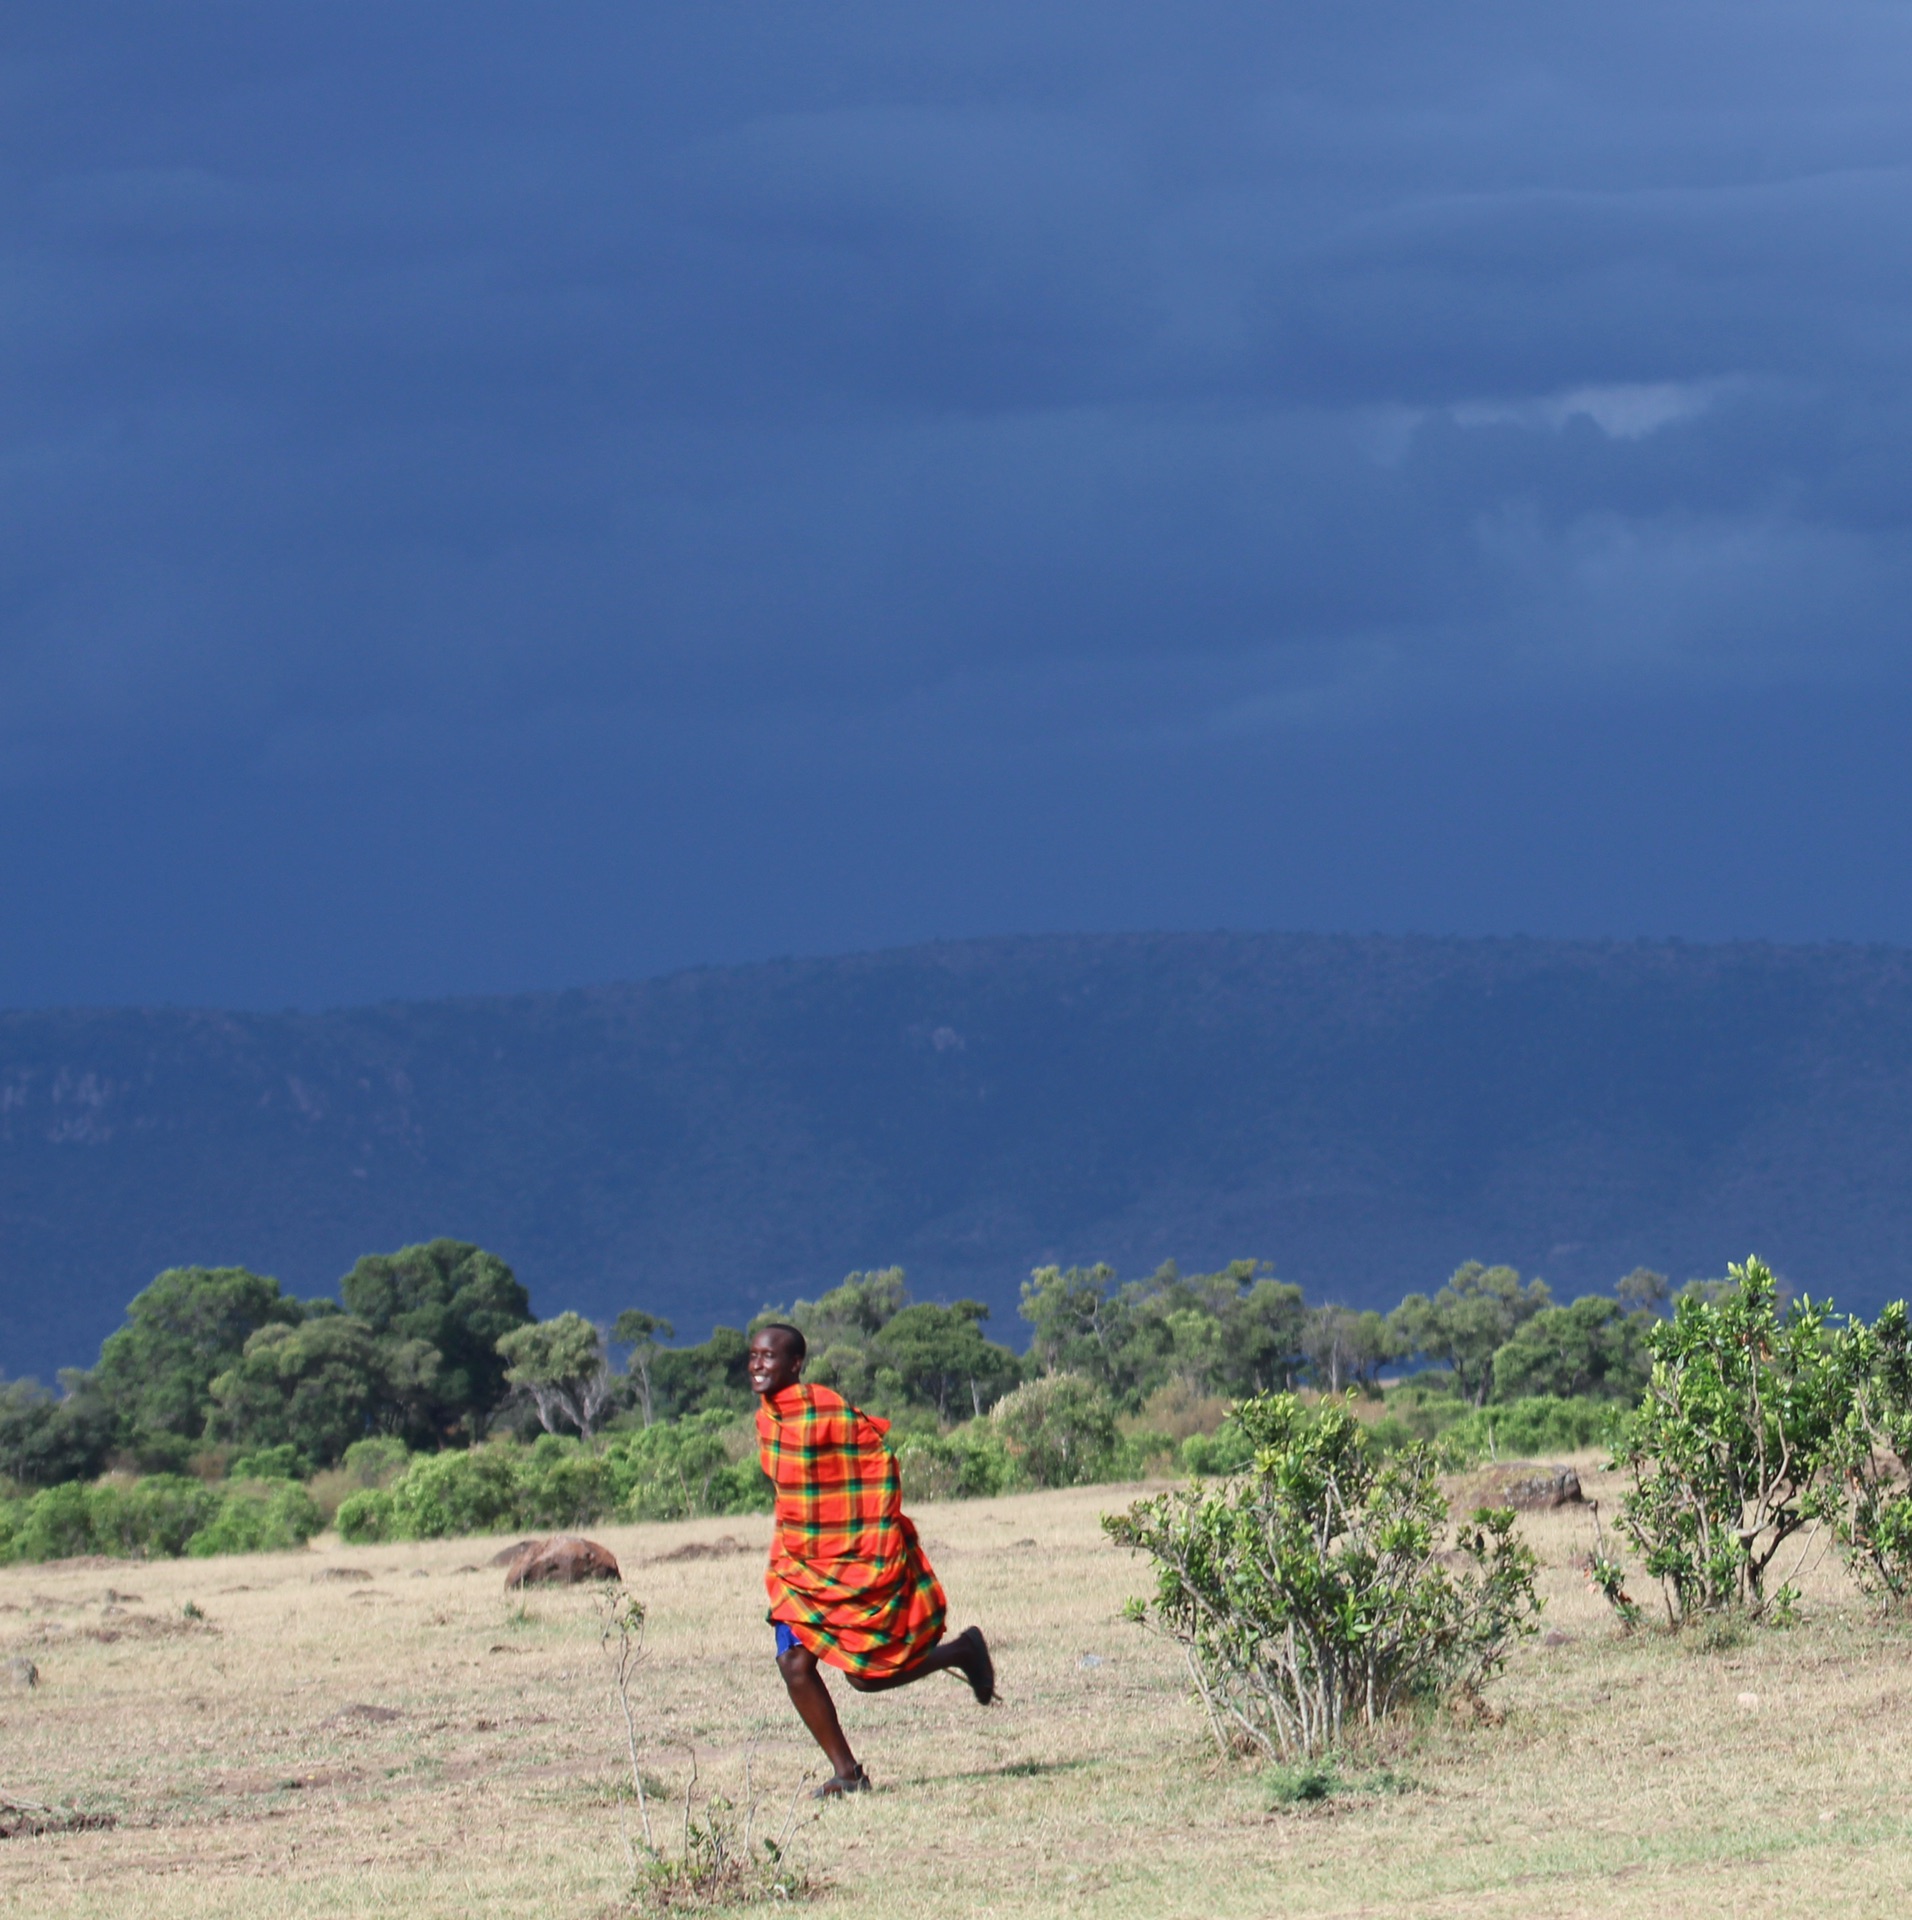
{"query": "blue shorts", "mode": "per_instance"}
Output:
(785, 1638)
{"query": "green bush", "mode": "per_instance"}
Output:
(1059, 1429)
(163, 1515)
(1310, 1595)
(666, 1472)
(1542, 1423)
(376, 1462)
(365, 1517)
(969, 1464)
(1140, 1453)
(259, 1519)
(270, 1463)
(438, 1495)
(1867, 1494)
(1747, 1411)
(1227, 1450)
(705, 1463)
(55, 1524)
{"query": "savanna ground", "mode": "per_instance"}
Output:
(418, 1742)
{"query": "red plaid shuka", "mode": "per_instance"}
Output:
(847, 1574)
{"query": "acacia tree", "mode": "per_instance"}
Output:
(1468, 1322)
(939, 1355)
(1083, 1323)
(459, 1300)
(1344, 1346)
(562, 1366)
(644, 1334)
(1594, 1347)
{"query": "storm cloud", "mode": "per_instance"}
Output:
(500, 495)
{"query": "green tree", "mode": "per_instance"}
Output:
(1468, 1322)
(1082, 1323)
(1261, 1330)
(316, 1387)
(841, 1325)
(644, 1334)
(941, 1359)
(458, 1300)
(1644, 1291)
(1344, 1346)
(1236, 1331)
(44, 1439)
(707, 1378)
(189, 1326)
(1594, 1348)
(853, 1313)
(562, 1366)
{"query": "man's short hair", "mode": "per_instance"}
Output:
(799, 1345)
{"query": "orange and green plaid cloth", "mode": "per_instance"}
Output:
(847, 1574)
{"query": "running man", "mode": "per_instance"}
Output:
(848, 1579)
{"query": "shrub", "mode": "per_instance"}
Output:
(704, 1463)
(1227, 1450)
(156, 1515)
(161, 1515)
(261, 1519)
(54, 1524)
(1542, 1423)
(364, 1518)
(368, 1463)
(441, 1494)
(1139, 1453)
(1310, 1597)
(666, 1472)
(270, 1463)
(969, 1464)
(1867, 1498)
(1059, 1429)
(1745, 1411)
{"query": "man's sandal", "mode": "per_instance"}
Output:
(842, 1783)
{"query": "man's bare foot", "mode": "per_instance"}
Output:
(842, 1783)
(975, 1665)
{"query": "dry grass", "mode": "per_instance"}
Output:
(421, 1743)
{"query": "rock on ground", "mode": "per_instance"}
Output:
(562, 1560)
(1528, 1487)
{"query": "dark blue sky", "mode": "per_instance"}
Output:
(505, 496)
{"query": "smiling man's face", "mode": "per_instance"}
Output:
(772, 1362)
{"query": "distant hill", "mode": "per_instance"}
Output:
(1364, 1113)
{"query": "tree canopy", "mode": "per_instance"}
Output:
(190, 1325)
(460, 1301)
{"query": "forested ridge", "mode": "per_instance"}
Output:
(1364, 1113)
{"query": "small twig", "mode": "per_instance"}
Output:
(790, 1818)
(627, 1618)
(750, 1800)
(688, 1784)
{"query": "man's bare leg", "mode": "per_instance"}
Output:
(811, 1698)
